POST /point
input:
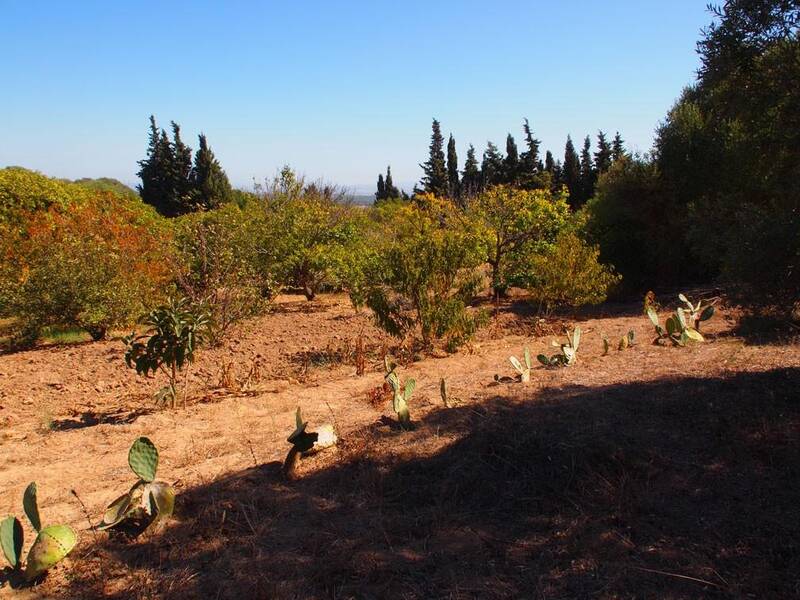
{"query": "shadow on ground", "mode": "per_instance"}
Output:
(680, 488)
(92, 418)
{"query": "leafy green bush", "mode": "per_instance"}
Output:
(566, 274)
(514, 223)
(23, 191)
(218, 263)
(95, 266)
(174, 331)
(426, 274)
(312, 234)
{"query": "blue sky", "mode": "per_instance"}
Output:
(338, 90)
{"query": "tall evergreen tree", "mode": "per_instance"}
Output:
(435, 179)
(511, 162)
(471, 175)
(390, 190)
(491, 166)
(453, 184)
(557, 178)
(587, 179)
(602, 158)
(181, 171)
(155, 171)
(549, 163)
(571, 173)
(210, 185)
(529, 160)
(381, 193)
(617, 148)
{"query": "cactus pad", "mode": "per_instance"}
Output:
(51, 546)
(707, 313)
(31, 506)
(11, 537)
(159, 499)
(143, 459)
(300, 438)
(117, 510)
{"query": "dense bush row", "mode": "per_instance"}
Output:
(719, 195)
(78, 257)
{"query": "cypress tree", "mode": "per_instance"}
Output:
(557, 179)
(549, 163)
(181, 172)
(453, 184)
(435, 179)
(491, 166)
(511, 162)
(471, 176)
(570, 173)
(381, 193)
(617, 148)
(210, 185)
(155, 171)
(530, 164)
(587, 178)
(602, 158)
(390, 190)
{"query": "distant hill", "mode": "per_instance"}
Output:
(107, 184)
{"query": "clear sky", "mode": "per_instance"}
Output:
(336, 89)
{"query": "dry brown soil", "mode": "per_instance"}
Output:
(651, 472)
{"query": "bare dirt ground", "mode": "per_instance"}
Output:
(651, 472)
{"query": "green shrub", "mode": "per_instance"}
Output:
(426, 275)
(306, 233)
(174, 331)
(566, 274)
(218, 263)
(23, 191)
(95, 266)
(512, 223)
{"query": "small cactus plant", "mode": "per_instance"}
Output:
(305, 442)
(698, 312)
(401, 394)
(148, 502)
(676, 330)
(626, 341)
(51, 545)
(569, 351)
(523, 370)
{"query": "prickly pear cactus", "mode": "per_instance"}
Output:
(31, 506)
(148, 502)
(300, 438)
(401, 403)
(11, 539)
(52, 544)
(569, 351)
(523, 370)
(143, 459)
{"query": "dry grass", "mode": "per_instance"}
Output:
(654, 472)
